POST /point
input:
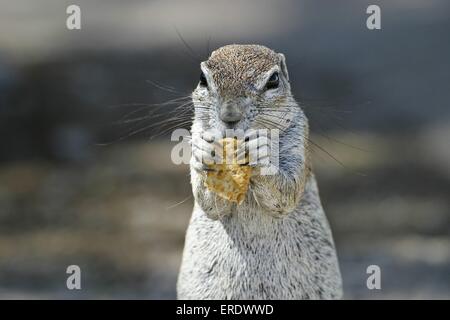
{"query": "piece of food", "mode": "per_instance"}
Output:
(230, 180)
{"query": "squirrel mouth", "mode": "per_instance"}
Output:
(231, 124)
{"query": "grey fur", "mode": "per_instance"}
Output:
(277, 244)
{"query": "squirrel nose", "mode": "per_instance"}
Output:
(230, 113)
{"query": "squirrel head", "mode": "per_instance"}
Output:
(244, 87)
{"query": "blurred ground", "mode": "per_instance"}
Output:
(122, 219)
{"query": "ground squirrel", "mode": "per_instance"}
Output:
(277, 244)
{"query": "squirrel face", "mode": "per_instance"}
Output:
(244, 87)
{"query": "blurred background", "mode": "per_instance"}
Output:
(85, 170)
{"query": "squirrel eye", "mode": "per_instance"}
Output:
(273, 81)
(203, 81)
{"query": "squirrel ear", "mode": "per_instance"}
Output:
(283, 65)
